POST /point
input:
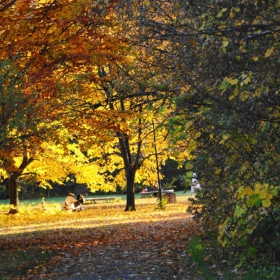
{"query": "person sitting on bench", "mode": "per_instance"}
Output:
(69, 202)
(78, 204)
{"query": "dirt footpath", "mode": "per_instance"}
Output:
(143, 250)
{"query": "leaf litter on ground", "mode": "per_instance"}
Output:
(102, 242)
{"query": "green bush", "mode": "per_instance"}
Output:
(239, 221)
(197, 249)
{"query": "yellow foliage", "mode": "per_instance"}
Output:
(188, 166)
(147, 3)
(266, 203)
(120, 179)
(232, 81)
(218, 171)
(261, 192)
(269, 52)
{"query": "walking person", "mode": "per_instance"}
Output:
(195, 184)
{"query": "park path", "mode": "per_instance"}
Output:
(154, 250)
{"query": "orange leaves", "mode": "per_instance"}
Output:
(54, 49)
(48, 36)
(138, 243)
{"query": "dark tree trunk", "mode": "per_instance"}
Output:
(13, 189)
(131, 165)
(130, 199)
(131, 160)
(13, 182)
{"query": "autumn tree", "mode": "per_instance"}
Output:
(142, 91)
(53, 49)
(19, 126)
(128, 154)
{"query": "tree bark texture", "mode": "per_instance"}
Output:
(13, 182)
(130, 199)
(13, 189)
(171, 197)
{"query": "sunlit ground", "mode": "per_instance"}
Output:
(37, 217)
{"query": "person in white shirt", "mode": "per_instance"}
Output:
(195, 184)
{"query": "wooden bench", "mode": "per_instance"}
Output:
(155, 193)
(91, 200)
(147, 194)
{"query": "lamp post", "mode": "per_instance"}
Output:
(158, 177)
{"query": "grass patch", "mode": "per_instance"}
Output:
(197, 249)
(197, 252)
(15, 264)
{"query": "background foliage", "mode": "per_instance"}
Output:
(87, 87)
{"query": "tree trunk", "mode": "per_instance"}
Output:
(171, 197)
(130, 199)
(13, 189)
(13, 183)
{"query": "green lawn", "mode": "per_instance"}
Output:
(61, 199)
